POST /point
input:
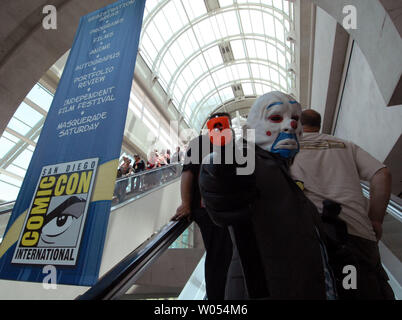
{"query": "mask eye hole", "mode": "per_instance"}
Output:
(275, 118)
(296, 118)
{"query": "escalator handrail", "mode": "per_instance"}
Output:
(12, 203)
(122, 276)
(144, 172)
(394, 206)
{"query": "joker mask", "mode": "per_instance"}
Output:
(275, 117)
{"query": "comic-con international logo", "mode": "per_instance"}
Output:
(55, 221)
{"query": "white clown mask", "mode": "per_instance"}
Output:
(275, 117)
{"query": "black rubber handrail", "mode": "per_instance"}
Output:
(123, 275)
(10, 205)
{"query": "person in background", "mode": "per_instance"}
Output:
(178, 156)
(167, 156)
(124, 170)
(332, 168)
(217, 242)
(138, 166)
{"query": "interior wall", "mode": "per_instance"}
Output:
(323, 50)
(364, 117)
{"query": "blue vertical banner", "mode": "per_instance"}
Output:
(61, 214)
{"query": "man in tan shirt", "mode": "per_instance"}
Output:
(331, 168)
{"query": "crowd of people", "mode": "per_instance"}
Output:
(291, 228)
(155, 160)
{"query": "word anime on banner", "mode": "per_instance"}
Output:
(61, 214)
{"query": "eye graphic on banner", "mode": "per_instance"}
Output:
(61, 213)
(53, 227)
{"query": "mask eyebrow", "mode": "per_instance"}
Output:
(274, 104)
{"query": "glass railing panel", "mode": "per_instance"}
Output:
(132, 186)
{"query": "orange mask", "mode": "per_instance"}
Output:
(220, 133)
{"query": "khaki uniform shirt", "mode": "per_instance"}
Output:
(331, 168)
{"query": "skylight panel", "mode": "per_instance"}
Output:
(5, 146)
(256, 71)
(243, 71)
(281, 60)
(175, 15)
(261, 50)
(238, 49)
(213, 57)
(12, 181)
(286, 7)
(164, 72)
(7, 191)
(194, 9)
(278, 4)
(264, 71)
(226, 94)
(17, 170)
(219, 23)
(151, 4)
(256, 21)
(18, 126)
(208, 30)
(259, 89)
(41, 97)
(198, 94)
(206, 85)
(155, 36)
(10, 137)
(245, 21)
(280, 33)
(274, 76)
(162, 25)
(149, 48)
(188, 43)
(176, 51)
(252, 52)
(247, 89)
(28, 115)
(23, 159)
(231, 22)
(272, 53)
(225, 3)
(283, 82)
(269, 28)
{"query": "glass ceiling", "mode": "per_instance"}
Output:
(205, 53)
(19, 140)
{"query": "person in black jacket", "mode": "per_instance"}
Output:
(276, 229)
(138, 166)
(216, 239)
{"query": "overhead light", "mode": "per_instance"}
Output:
(292, 68)
(291, 36)
(226, 51)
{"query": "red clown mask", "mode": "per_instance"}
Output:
(219, 130)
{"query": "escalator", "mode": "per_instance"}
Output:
(125, 274)
(142, 205)
(144, 212)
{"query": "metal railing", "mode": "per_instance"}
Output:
(131, 186)
(394, 207)
(126, 189)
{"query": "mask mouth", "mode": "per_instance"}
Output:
(286, 144)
